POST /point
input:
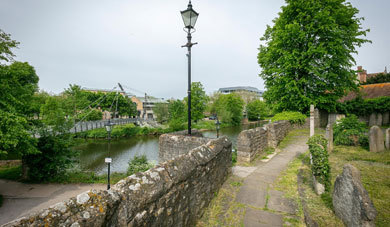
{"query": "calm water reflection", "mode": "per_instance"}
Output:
(93, 152)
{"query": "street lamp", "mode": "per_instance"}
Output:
(108, 160)
(217, 125)
(189, 18)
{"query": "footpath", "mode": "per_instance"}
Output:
(22, 199)
(256, 202)
(266, 206)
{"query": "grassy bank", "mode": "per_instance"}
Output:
(374, 169)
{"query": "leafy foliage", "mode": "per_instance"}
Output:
(320, 166)
(380, 78)
(6, 44)
(18, 82)
(293, 117)
(161, 111)
(138, 164)
(54, 159)
(229, 108)
(350, 131)
(307, 55)
(256, 110)
(361, 107)
(199, 101)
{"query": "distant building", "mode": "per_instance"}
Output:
(145, 106)
(363, 76)
(247, 93)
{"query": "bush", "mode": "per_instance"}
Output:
(54, 159)
(138, 164)
(293, 117)
(320, 167)
(350, 131)
(177, 124)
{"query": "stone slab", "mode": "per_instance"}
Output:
(261, 218)
(276, 202)
(252, 196)
(242, 171)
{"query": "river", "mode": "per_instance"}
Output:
(93, 152)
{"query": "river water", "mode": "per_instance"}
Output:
(93, 152)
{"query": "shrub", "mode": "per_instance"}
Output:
(177, 124)
(350, 131)
(138, 164)
(293, 117)
(54, 159)
(320, 166)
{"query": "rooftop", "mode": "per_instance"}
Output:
(241, 88)
(369, 91)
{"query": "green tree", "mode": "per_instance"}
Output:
(177, 115)
(229, 108)
(161, 111)
(256, 110)
(6, 44)
(307, 55)
(18, 82)
(199, 101)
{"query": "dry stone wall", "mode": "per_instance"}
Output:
(254, 141)
(174, 193)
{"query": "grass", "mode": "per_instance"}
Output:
(223, 210)
(287, 183)
(374, 169)
(11, 173)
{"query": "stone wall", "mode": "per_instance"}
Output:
(174, 144)
(254, 141)
(174, 193)
(250, 142)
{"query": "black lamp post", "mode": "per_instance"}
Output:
(108, 160)
(217, 126)
(189, 18)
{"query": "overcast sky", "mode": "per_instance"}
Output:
(98, 43)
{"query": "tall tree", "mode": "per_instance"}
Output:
(199, 101)
(18, 82)
(307, 55)
(6, 44)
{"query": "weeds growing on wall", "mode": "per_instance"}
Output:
(138, 164)
(293, 117)
(320, 166)
(351, 132)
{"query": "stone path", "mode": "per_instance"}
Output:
(21, 199)
(265, 206)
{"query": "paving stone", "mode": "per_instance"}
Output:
(252, 196)
(261, 218)
(242, 171)
(281, 204)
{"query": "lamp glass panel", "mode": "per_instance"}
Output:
(189, 18)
